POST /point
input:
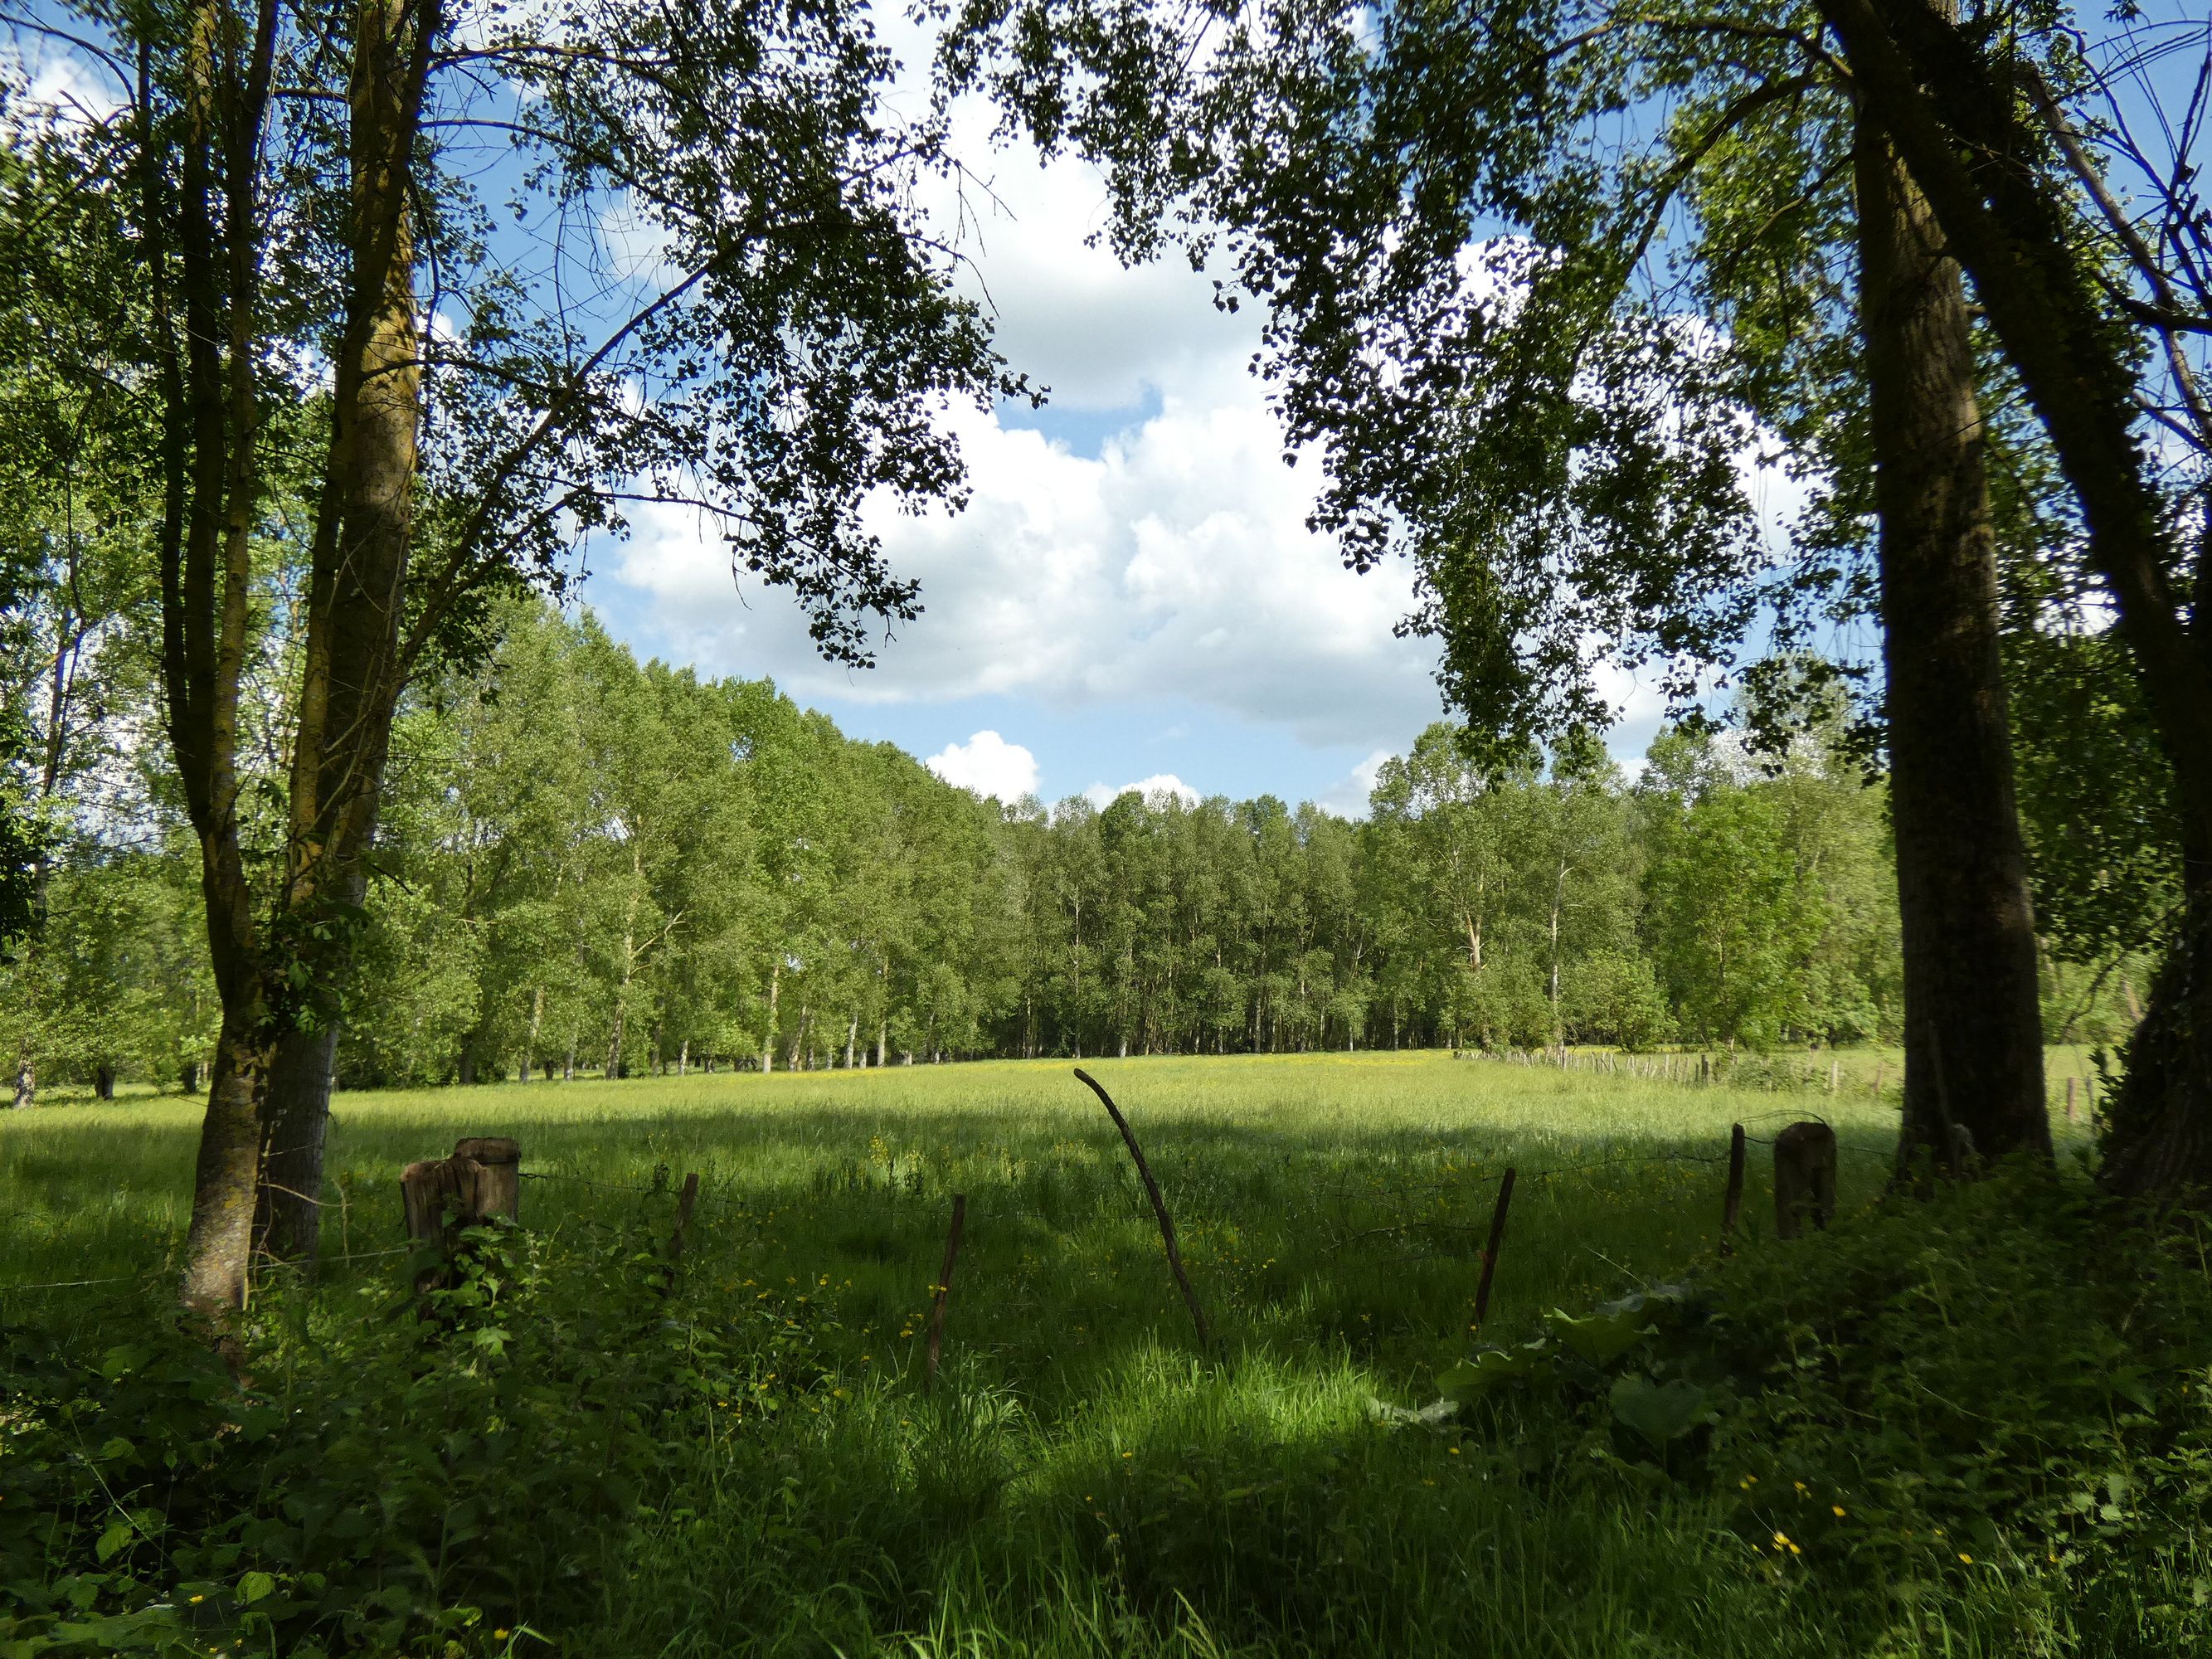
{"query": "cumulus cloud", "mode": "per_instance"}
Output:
(1170, 561)
(1174, 564)
(1160, 783)
(987, 764)
(1347, 798)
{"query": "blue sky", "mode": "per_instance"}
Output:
(1133, 596)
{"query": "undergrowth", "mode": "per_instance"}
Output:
(1976, 1424)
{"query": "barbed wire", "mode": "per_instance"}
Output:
(872, 1201)
(155, 1275)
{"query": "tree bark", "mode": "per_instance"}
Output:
(1972, 1021)
(287, 1220)
(350, 672)
(1956, 122)
(211, 496)
(219, 1242)
(768, 1042)
(537, 1019)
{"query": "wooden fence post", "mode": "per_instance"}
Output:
(1159, 1207)
(1734, 1200)
(1490, 1251)
(2070, 1115)
(1804, 1178)
(942, 1290)
(501, 1159)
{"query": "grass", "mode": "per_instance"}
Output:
(1082, 1481)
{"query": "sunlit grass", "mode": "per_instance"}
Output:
(1083, 1481)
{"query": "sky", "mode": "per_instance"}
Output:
(1132, 598)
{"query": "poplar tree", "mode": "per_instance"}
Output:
(393, 252)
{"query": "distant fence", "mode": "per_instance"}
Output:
(483, 1178)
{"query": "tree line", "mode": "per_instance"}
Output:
(590, 864)
(328, 334)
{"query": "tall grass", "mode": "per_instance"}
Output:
(1082, 1481)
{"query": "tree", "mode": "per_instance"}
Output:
(1546, 348)
(1977, 122)
(288, 189)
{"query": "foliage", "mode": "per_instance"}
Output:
(384, 1483)
(620, 866)
(1998, 1397)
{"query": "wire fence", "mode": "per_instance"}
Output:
(858, 1195)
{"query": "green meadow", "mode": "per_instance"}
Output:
(588, 1453)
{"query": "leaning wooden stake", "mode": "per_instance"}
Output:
(943, 1289)
(1159, 1208)
(689, 1197)
(2070, 1117)
(1734, 1201)
(1490, 1251)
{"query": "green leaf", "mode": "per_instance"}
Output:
(1660, 1412)
(122, 1361)
(118, 1533)
(254, 1587)
(1602, 1337)
(1471, 1379)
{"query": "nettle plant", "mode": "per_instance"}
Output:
(450, 1474)
(2006, 1392)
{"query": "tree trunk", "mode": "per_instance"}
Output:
(351, 675)
(684, 1058)
(530, 1043)
(1957, 120)
(852, 1035)
(219, 1242)
(768, 1042)
(288, 1220)
(882, 1041)
(1973, 1025)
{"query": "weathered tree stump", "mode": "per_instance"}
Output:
(502, 1161)
(443, 1196)
(1804, 1178)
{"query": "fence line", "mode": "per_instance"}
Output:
(872, 1205)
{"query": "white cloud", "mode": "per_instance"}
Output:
(1175, 564)
(987, 764)
(1102, 795)
(1347, 798)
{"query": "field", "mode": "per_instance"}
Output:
(1082, 1480)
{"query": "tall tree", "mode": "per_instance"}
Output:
(1550, 288)
(288, 182)
(1976, 124)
